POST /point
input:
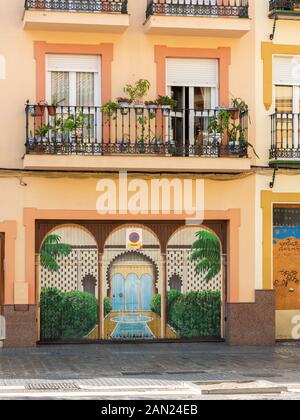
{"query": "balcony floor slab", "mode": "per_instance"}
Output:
(136, 163)
(71, 22)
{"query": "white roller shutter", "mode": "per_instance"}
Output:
(286, 70)
(73, 63)
(192, 72)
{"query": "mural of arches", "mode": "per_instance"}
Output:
(68, 283)
(132, 281)
(159, 242)
(175, 282)
(196, 309)
(89, 284)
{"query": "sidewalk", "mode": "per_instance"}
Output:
(148, 364)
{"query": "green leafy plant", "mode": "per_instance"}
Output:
(43, 130)
(110, 109)
(67, 314)
(51, 314)
(138, 90)
(107, 304)
(197, 314)
(172, 296)
(193, 314)
(220, 122)
(52, 248)
(79, 315)
(73, 125)
(206, 251)
(240, 105)
(166, 101)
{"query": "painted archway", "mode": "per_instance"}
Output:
(132, 282)
(68, 284)
(195, 297)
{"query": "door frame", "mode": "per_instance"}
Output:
(189, 105)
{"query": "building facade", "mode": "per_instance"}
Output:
(231, 68)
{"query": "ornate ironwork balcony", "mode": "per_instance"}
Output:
(106, 6)
(134, 130)
(284, 9)
(285, 137)
(222, 8)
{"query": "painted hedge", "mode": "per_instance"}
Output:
(192, 314)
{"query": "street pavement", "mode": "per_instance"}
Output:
(167, 366)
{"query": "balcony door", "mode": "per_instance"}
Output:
(73, 82)
(193, 83)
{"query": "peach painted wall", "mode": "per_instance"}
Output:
(133, 59)
(68, 194)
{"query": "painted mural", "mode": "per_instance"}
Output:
(286, 271)
(132, 286)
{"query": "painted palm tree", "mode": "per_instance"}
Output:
(207, 254)
(52, 249)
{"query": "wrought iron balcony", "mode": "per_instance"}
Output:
(134, 130)
(106, 6)
(285, 137)
(284, 9)
(222, 8)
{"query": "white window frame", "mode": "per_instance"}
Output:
(72, 83)
(296, 99)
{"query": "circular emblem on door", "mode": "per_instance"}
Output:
(134, 237)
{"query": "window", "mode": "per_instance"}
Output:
(194, 84)
(287, 101)
(73, 80)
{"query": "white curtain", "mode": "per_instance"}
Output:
(85, 95)
(60, 88)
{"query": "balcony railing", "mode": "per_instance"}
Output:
(106, 6)
(222, 8)
(133, 130)
(284, 5)
(285, 142)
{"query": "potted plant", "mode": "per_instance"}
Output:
(167, 103)
(238, 107)
(42, 131)
(152, 105)
(110, 109)
(39, 109)
(52, 108)
(138, 91)
(124, 104)
(72, 127)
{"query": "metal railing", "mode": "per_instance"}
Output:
(133, 130)
(106, 6)
(223, 8)
(285, 136)
(283, 5)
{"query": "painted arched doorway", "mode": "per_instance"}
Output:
(132, 278)
(133, 284)
(68, 284)
(195, 283)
